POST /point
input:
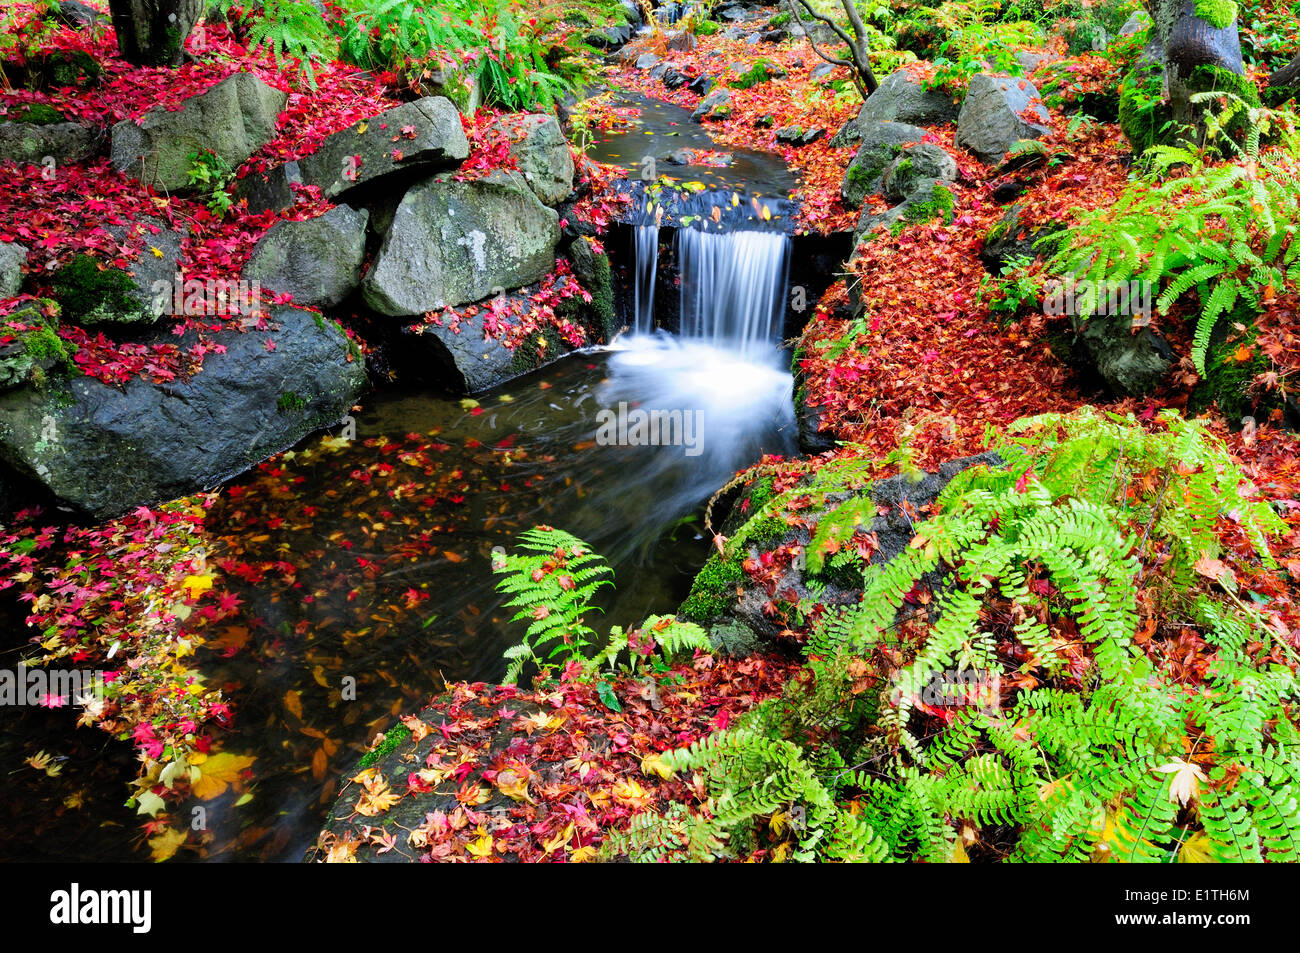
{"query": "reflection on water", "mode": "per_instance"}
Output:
(362, 570)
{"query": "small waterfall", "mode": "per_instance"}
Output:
(733, 287)
(646, 241)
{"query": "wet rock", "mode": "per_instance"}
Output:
(1131, 364)
(407, 141)
(12, 258)
(452, 243)
(922, 161)
(994, 116)
(232, 120)
(799, 136)
(646, 60)
(1009, 239)
(75, 14)
(879, 144)
(105, 450)
(61, 141)
(318, 261)
(701, 85)
(713, 106)
(901, 99)
(269, 191)
(542, 155)
(1138, 21)
(674, 79)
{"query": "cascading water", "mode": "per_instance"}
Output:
(646, 250)
(733, 288)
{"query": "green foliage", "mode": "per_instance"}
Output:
(517, 58)
(1098, 756)
(552, 584)
(210, 174)
(973, 40)
(1224, 233)
(286, 28)
(1011, 289)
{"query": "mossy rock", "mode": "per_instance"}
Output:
(72, 69)
(38, 114)
(1227, 379)
(36, 351)
(89, 294)
(714, 590)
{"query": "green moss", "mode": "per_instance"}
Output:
(1144, 115)
(1216, 79)
(713, 591)
(1217, 13)
(761, 71)
(392, 738)
(1227, 380)
(290, 402)
(707, 28)
(72, 69)
(531, 354)
(940, 205)
(87, 292)
(40, 114)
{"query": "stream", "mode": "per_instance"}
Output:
(362, 565)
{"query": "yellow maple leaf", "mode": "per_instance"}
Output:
(483, 846)
(654, 765)
(627, 791)
(377, 798)
(197, 585)
(513, 783)
(219, 772)
(165, 845)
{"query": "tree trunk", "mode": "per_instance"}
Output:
(1288, 75)
(1198, 55)
(153, 32)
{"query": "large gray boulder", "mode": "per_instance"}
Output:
(452, 243)
(31, 142)
(233, 119)
(318, 261)
(899, 98)
(414, 138)
(921, 161)
(880, 144)
(105, 450)
(998, 111)
(12, 258)
(542, 154)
